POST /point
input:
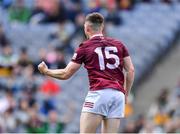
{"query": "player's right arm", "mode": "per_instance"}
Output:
(61, 74)
(129, 77)
(69, 70)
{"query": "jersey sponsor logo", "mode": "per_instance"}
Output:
(74, 56)
(89, 104)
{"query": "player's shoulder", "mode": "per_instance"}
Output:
(81, 45)
(115, 41)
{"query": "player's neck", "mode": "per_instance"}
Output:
(95, 34)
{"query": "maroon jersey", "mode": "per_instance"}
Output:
(103, 59)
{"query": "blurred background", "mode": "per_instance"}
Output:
(50, 30)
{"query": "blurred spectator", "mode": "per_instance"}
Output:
(26, 80)
(130, 127)
(112, 14)
(35, 124)
(29, 96)
(4, 104)
(163, 97)
(74, 7)
(53, 125)
(48, 11)
(7, 60)
(65, 31)
(22, 112)
(160, 103)
(47, 105)
(173, 125)
(3, 39)
(7, 57)
(19, 12)
(149, 127)
(7, 120)
(29, 79)
(37, 13)
(49, 87)
(173, 107)
(161, 118)
(78, 34)
(24, 59)
(79, 20)
(63, 34)
(60, 59)
(128, 107)
(7, 102)
(51, 57)
(128, 110)
(140, 122)
(126, 4)
(91, 6)
(55, 58)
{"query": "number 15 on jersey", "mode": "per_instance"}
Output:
(107, 55)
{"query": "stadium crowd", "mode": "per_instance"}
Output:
(162, 117)
(21, 85)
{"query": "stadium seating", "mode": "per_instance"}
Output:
(147, 31)
(151, 27)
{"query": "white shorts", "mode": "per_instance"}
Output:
(107, 102)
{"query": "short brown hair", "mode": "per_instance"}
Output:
(95, 19)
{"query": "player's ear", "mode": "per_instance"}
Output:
(88, 29)
(102, 27)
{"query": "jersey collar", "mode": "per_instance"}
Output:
(95, 35)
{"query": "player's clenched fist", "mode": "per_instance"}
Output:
(42, 67)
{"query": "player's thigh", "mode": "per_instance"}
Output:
(110, 125)
(89, 122)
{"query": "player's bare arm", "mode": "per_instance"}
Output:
(91, 118)
(61, 74)
(129, 68)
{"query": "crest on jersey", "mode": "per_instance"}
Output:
(74, 56)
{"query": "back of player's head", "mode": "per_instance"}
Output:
(95, 20)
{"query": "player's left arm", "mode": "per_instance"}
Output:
(61, 74)
(129, 68)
